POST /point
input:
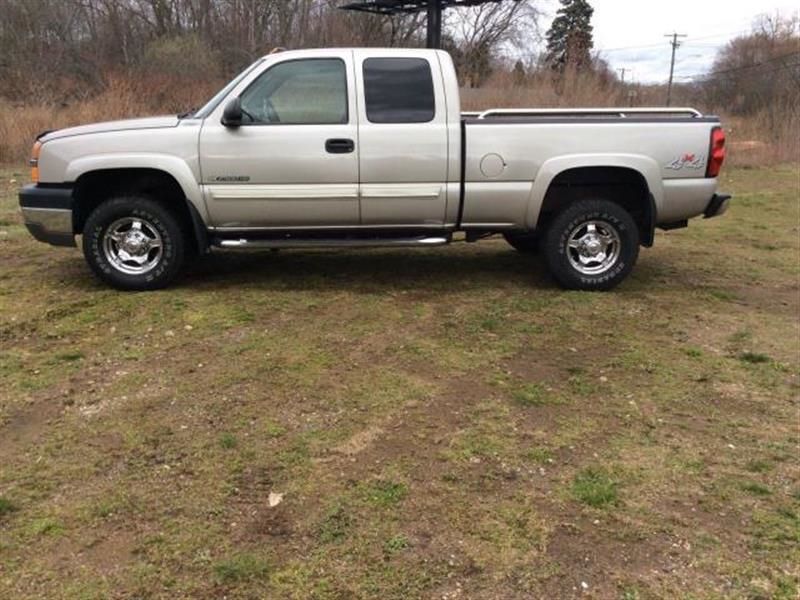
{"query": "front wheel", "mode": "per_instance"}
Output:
(591, 245)
(134, 243)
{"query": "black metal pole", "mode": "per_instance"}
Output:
(434, 39)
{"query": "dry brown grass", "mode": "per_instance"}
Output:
(770, 137)
(123, 97)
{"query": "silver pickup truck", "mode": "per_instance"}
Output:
(368, 147)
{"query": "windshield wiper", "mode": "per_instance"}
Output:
(188, 113)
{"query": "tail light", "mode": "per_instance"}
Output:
(716, 154)
(34, 161)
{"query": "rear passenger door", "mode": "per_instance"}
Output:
(402, 140)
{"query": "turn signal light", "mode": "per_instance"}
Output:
(34, 161)
(716, 154)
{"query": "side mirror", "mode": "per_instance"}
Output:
(232, 115)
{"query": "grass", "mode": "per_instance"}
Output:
(241, 568)
(6, 506)
(438, 423)
(532, 394)
(754, 358)
(595, 487)
(228, 441)
(384, 493)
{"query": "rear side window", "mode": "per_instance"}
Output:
(398, 90)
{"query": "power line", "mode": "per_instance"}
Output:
(740, 68)
(688, 39)
(675, 45)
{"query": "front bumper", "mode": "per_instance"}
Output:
(717, 206)
(47, 212)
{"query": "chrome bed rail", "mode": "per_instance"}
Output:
(620, 113)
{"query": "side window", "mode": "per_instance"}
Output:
(298, 92)
(398, 90)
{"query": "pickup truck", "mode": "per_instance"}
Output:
(368, 147)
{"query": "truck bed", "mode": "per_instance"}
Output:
(507, 148)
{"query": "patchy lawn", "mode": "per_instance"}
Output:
(440, 423)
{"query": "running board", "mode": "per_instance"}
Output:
(330, 243)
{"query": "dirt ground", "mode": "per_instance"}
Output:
(441, 423)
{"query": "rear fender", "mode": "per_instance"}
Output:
(550, 169)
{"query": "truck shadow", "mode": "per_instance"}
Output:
(367, 270)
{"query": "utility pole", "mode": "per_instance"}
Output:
(675, 45)
(622, 71)
(434, 36)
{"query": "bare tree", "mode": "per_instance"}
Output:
(480, 35)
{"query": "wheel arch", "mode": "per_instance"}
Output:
(94, 185)
(632, 181)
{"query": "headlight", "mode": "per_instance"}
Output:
(34, 161)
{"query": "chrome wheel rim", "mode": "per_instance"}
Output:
(593, 247)
(132, 246)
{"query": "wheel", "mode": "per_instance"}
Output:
(527, 243)
(134, 243)
(591, 245)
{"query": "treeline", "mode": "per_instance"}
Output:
(76, 45)
(64, 62)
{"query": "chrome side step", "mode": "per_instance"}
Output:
(243, 243)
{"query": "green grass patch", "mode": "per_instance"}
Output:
(539, 455)
(384, 493)
(395, 544)
(242, 567)
(45, 526)
(6, 506)
(759, 466)
(755, 488)
(335, 525)
(228, 441)
(533, 394)
(595, 487)
(70, 356)
(274, 430)
(754, 358)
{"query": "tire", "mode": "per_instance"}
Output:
(125, 259)
(527, 243)
(591, 245)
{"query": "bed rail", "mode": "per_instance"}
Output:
(620, 113)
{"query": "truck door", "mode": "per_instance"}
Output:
(402, 139)
(293, 163)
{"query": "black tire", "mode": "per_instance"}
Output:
(608, 219)
(167, 260)
(527, 243)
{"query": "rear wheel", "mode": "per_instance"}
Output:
(134, 243)
(591, 245)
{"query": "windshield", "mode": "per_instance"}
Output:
(212, 104)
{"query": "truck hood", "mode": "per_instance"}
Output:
(109, 126)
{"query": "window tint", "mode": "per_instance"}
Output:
(398, 90)
(298, 92)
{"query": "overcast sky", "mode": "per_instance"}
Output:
(630, 33)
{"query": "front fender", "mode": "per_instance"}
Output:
(178, 168)
(550, 169)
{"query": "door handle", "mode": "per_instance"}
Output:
(339, 146)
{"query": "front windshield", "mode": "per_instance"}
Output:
(212, 104)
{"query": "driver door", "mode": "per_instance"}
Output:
(293, 163)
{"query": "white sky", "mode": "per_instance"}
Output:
(630, 33)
